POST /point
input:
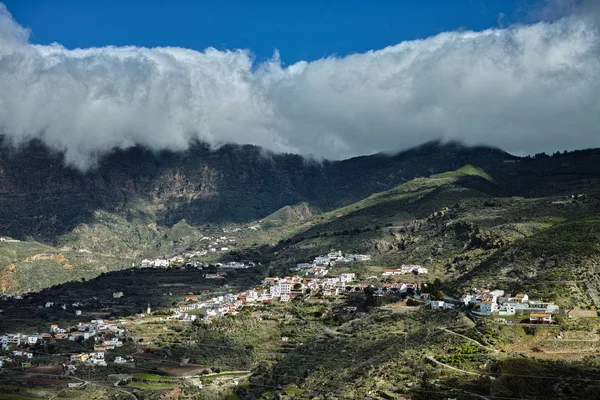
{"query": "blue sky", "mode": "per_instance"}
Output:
(301, 30)
(404, 72)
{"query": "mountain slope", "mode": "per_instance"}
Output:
(138, 204)
(456, 225)
(42, 198)
(562, 261)
(31, 266)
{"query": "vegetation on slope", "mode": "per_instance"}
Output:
(563, 258)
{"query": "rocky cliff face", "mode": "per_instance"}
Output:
(40, 197)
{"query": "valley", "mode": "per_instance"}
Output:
(313, 345)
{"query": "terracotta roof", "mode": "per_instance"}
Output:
(540, 315)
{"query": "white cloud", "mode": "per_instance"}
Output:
(525, 88)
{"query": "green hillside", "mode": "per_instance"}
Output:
(455, 224)
(558, 262)
(31, 266)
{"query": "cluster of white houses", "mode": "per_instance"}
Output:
(332, 258)
(405, 269)
(7, 296)
(485, 302)
(482, 302)
(272, 289)
(107, 335)
(215, 245)
(184, 263)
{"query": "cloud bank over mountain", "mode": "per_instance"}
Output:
(525, 88)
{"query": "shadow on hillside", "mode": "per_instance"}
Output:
(162, 289)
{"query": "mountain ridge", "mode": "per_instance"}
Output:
(199, 185)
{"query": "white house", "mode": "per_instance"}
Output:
(33, 339)
(270, 281)
(417, 269)
(22, 353)
(437, 305)
(488, 307)
(285, 288)
(521, 298)
(112, 342)
(540, 318)
(548, 308)
(358, 257)
(275, 290)
(507, 308)
(159, 262)
(11, 339)
(466, 298)
(251, 295)
(97, 358)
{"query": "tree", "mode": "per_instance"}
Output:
(370, 296)
(411, 303)
(437, 295)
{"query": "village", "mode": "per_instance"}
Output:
(213, 245)
(485, 303)
(312, 282)
(329, 260)
(106, 335)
